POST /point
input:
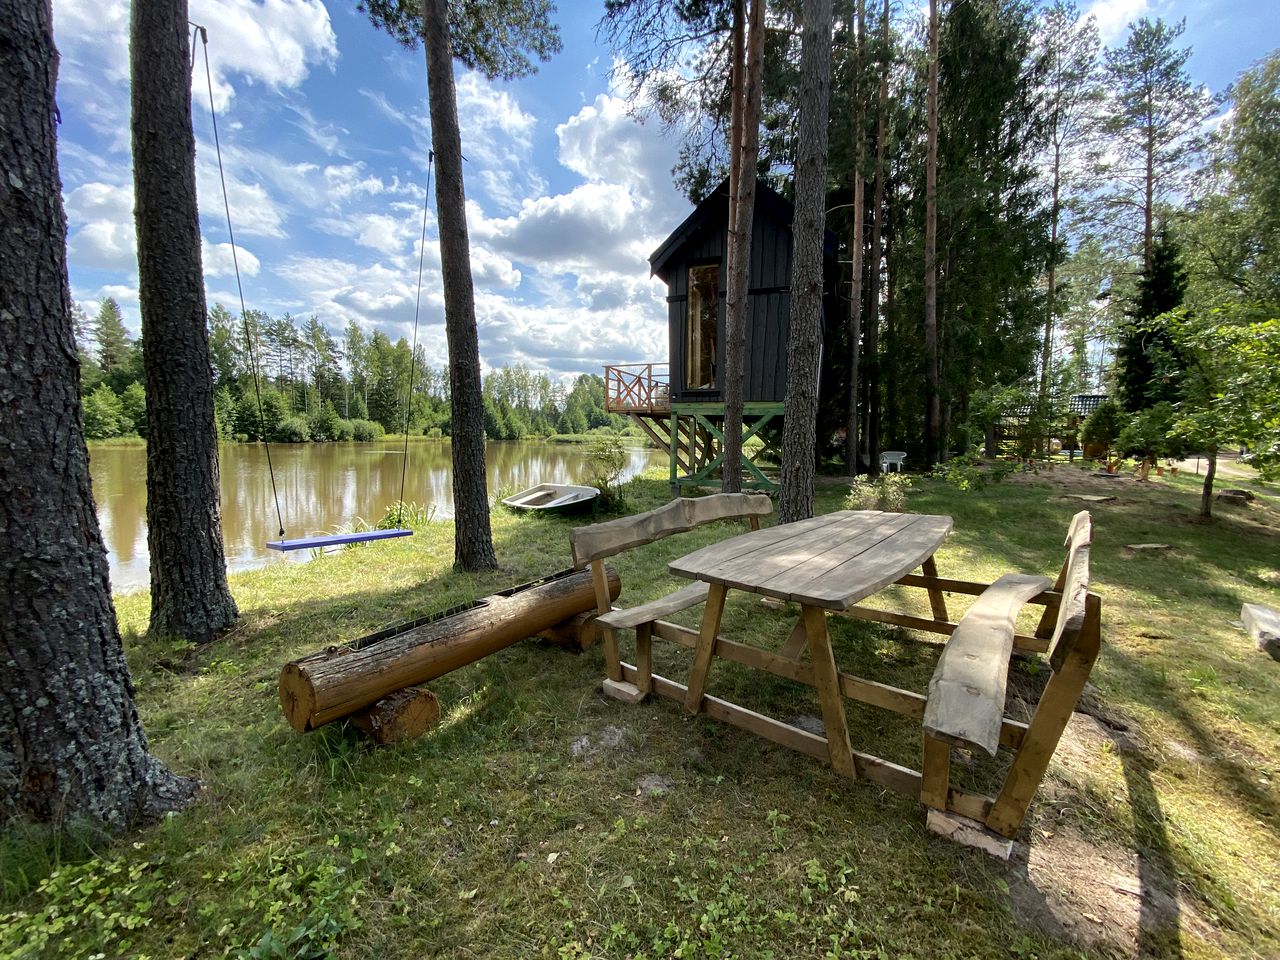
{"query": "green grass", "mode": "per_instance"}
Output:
(489, 838)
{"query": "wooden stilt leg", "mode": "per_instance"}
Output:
(937, 600)
(706, 648)
(827, 681)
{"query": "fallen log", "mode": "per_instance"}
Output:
(579, 633)
(339, 681)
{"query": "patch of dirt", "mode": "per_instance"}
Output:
(1102, 897)
(654, 785)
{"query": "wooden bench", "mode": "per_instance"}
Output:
(592, 545)
(965, 705)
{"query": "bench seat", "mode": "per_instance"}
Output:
(625, 618)
(966, 695)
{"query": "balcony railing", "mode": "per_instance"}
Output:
(637, 388)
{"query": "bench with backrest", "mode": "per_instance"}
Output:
(966, 700)
(594, 544)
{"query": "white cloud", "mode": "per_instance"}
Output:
(1114, 16)
(100, 227)
(218, 260)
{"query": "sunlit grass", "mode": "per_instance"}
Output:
(490, 838)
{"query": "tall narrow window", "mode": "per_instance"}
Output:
(700, 349)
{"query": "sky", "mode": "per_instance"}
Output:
(324, 136)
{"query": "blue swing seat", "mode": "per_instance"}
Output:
(335, 539)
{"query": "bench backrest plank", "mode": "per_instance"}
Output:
(967, 692)
(602, 540)
(1073, 584)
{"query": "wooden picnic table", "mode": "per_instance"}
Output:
(830, 562)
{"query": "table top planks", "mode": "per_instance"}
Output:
(831, 561)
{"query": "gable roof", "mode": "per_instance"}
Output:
(769, 203)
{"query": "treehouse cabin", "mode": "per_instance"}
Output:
(680, 404)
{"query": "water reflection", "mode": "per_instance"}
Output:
(322, 487)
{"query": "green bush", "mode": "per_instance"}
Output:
(605, 459)
(367, 430)
(104, 415)
(888, 493)
(345, 431)
(323, 422)
(292, 430)
(1103, 425)
(134, 401)
(972, 473)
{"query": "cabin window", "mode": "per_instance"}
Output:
(700, 349)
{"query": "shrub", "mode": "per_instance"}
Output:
(292, 430)
(605, 459)
(888, 493)
(134, 401)
(1103, 425)
(344, 430)
(322, 423)
(104, 415)
(970, 472)
(367, 430)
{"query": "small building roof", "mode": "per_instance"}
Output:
(1085, 403)
(769, 203)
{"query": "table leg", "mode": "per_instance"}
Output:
(711, 614)
(937, 600)
(796, 642)
(827, 681)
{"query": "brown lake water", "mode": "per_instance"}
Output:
(323, 487)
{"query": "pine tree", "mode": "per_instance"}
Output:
(189, 593)
(112, 337)
(1147, 363)
(72, 747)
(1153, 119)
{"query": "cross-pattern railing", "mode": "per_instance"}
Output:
(637, 388)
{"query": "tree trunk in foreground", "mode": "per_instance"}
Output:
(932, 413)
(71, 745)
(189, 593)
(742, 205)
(472, 537)
(805, 343)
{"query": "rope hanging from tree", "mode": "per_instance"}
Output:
(332, 539)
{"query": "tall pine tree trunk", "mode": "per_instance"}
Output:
(855, 244)
(742, 204)
(189, 593)
(1051, 291)
(472, 539)
(872, 363)
(932, 415)
(71, 745)
(805, 343)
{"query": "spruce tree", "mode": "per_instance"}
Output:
(1147, 362)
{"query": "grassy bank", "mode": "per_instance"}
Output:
(542, 819)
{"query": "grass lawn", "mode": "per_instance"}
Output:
(544, 820)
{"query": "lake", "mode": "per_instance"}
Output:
(323, 487)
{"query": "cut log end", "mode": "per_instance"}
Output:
(577, 634)
(399, 716)
(297, 699)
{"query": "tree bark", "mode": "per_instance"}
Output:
(1206, 492)
(189, 593)
(872, 346)
(472, 539)
(932, 425)
(71, 745)
(1046, 346)
(805, 343)
(855, 245)
(738, 269)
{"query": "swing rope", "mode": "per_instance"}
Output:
(235, 262)
(413, 353)
(282, 544)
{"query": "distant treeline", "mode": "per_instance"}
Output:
(317, 387)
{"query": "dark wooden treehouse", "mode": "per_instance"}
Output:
(680, 403)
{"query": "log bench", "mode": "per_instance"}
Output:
(594, 544)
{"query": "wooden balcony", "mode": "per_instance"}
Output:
(637, 388)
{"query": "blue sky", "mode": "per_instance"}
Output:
(324, 131)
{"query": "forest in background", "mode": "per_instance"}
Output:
(1101, 219)
(317, 387)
